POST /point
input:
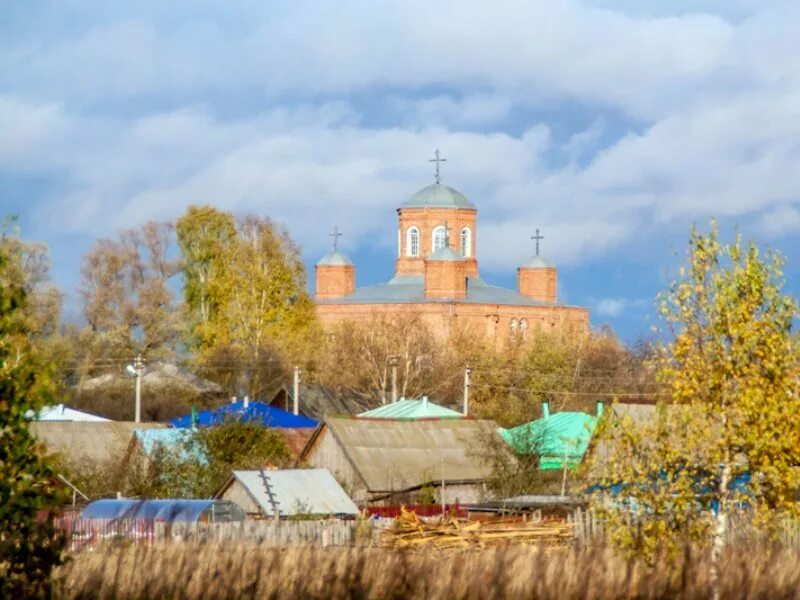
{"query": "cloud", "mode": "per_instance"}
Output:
(606, 127)
(617, 307)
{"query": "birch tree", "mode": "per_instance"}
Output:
(731, 368)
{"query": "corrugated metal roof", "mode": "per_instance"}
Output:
(319, 401)
(65, 413)
(563, 434)
(399, 455)
(411, 409)
(258, 412)
(404, 290)
(95, 442)
(298, 491)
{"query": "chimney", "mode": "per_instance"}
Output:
(233, 400)
(599, 408)
(425, 401)
(246, 402)
(61, 408)
(546, 409)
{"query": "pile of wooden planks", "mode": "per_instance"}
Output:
(410, 531)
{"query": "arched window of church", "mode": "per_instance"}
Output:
(439, 238)
(466, 241)
(412, 241)
(513, 328)
(523, 327)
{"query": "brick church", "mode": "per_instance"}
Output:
(436, 277)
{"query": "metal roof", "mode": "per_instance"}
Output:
(319, 401)
(445, 254)
(536, 262)
(392, 455)
(411, 409)
(297, 491)
(65, 413)
(162, 510)
(91, 441)
(334, 259)
(438, 196)
(554, 438)
(258, 412)
(411, 289)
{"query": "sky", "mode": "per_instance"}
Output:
(610, 126)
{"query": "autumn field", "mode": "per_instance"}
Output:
(212, 571)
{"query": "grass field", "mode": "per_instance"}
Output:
(212, 571)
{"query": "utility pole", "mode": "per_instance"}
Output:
(138, 366)
(296, 391)
(394, 360)
(467, 373)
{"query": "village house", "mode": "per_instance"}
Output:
(382, 461)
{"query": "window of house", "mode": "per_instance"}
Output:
(439, 238)
(412, 243)
(466, 241)
(523, 327)
(513, 328)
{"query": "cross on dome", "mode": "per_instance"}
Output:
(437, 160)
(335, 235)
(537, 237)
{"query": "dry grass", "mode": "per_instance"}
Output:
(241, 570)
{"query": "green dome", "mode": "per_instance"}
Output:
(334, 259)
(535, 262)
(438, 196)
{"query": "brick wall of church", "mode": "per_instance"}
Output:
(426, 220)
(493, 321)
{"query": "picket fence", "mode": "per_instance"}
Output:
(88, 532)
(740, 531)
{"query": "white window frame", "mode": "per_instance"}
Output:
(438, 232)
(466, 236)
(412, 241)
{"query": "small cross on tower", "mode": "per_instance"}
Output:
(437, 160)
(335, 235)
(537, 237)
(446, 235)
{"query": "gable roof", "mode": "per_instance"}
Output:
(96, 442)
(61, 412)
(411, 409)
(391, 455)
(258, 412)
(319, 401)
(296, 491)
(554, 438)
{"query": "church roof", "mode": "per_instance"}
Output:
(334, 259)
(410, 289)
(535, 262)
(438, 196)
(445, 254)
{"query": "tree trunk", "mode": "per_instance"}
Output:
(720, 531)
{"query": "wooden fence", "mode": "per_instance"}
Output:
(740, 530)
(88, 532)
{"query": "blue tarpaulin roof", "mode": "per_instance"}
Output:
(257, 412)
(161, 510)
(183, 442)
